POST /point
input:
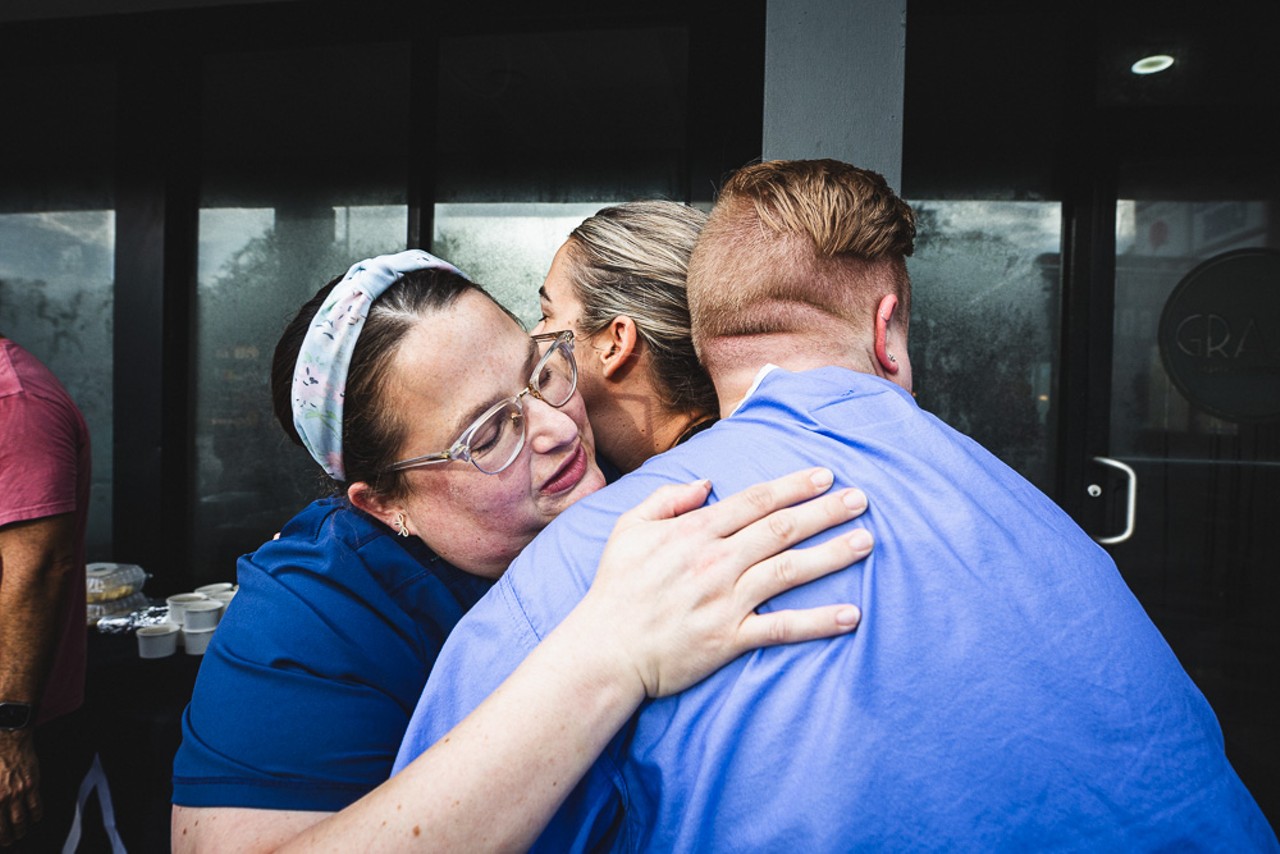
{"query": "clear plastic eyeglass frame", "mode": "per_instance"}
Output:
(544, 384)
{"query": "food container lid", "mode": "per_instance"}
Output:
(106, 582)
(115, 607)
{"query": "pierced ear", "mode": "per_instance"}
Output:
(361, 495)
(884, 320)
(620, 342)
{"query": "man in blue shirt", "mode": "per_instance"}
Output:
(1004, 689)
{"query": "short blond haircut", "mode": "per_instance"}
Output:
(793, 241)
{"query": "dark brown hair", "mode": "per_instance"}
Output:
(371, 432)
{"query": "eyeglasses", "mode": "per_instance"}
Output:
(495, 439)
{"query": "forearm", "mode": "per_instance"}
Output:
(495, 780)
(673, 599)
(27, 640)
(38, 569)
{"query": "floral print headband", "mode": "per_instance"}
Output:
(320, 376)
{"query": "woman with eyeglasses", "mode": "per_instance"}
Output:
(452, 438)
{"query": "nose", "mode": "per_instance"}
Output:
(550, 429)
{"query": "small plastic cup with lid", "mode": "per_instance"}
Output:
(178, 605)
(158, 641)
(202, 615)
(196, 640)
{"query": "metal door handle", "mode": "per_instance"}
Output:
(1131, 505)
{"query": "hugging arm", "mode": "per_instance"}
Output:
(673, 600)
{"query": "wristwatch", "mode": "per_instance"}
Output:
(15, 716)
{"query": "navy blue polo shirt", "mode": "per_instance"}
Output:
(309, 681)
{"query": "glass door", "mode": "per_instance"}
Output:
(1189, 486)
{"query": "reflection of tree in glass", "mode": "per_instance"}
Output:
(250, 477)
(68, 326)
(70, 333)
(510, 274)
(981, 325)
(445, 245)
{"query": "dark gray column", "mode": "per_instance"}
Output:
(157, 216)
(833, 82)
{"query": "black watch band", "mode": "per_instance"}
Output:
(16, 716)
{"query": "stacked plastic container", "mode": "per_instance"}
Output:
(112, 589)
(114, 596)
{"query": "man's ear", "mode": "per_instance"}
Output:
(616, 344)
(885, 320)
(361, 495)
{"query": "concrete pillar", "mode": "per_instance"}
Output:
(833, 82)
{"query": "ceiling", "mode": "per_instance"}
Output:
(31, 10)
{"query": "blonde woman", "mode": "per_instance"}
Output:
(618, 284)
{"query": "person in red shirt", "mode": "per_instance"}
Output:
(44, 500)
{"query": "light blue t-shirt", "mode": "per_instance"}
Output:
(1004, 691)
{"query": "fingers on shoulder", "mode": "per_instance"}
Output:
(668, 502)
(785, 627)
(794, 567)
(758, 501)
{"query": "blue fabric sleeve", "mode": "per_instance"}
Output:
(490, 643)
(499, 633)
(309, 682)
(294, 719)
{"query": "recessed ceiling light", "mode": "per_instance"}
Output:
(1152, 64)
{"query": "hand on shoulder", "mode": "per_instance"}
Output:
(678, 584)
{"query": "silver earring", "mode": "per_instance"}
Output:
(892, 359)
(404, 532)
